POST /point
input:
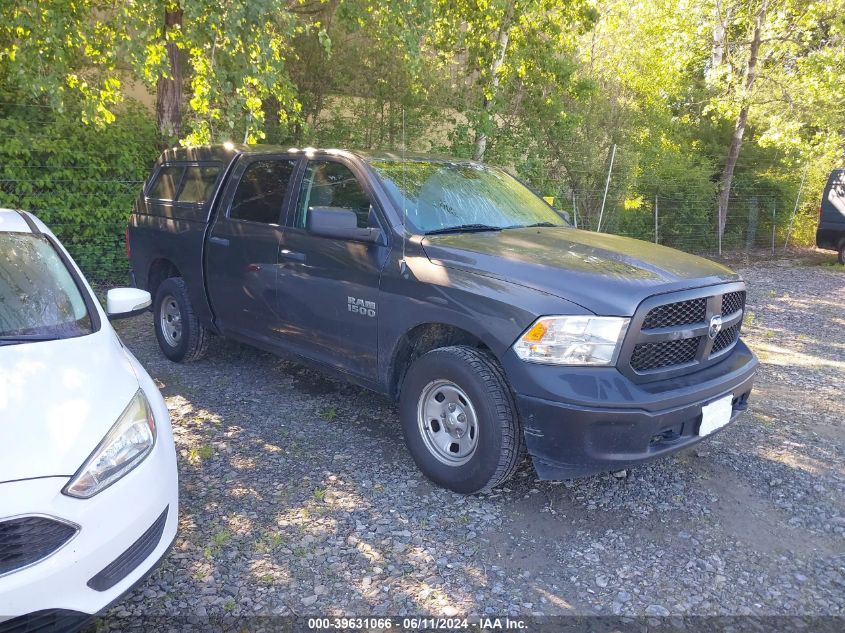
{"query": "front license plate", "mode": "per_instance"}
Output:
(716, 415)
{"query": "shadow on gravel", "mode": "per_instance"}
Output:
(298, 497)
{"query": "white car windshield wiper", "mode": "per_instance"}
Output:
(464, 228)
(13, 339)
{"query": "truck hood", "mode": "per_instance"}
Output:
(58, 399)
(606, 274)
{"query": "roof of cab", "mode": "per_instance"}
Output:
(227, 151)
(11, 221)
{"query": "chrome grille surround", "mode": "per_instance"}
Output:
(669, 334)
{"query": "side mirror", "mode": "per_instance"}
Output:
(126, 302)
(566, 216)
(339, 223)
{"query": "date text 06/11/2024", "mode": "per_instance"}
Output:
(416, 624)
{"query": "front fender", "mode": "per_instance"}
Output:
(493, 310)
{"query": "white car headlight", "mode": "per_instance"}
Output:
(125, 446)
(572, 340)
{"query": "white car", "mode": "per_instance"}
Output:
(88, 483)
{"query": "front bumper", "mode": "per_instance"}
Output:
(583, 421)
(110, 524)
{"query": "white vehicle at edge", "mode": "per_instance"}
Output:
(88, 483)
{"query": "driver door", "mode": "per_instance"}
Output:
(328, 288)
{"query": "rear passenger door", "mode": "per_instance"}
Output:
(243, 245)
(327, 287)
(171, 222)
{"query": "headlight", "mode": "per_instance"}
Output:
(572, 340)
(125, 446)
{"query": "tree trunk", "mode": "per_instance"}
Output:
(742, 119)
(169, 89)
(501, 49)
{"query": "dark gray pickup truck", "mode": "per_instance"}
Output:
(453, 288)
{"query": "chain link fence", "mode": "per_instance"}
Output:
(758, 222)
(81, 212)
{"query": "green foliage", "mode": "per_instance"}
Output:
(81, 180)
(90, 51)
(544, 87)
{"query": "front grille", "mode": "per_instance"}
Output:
(26, 540)
(670, 334)
(663, 354)
(733, 302)
(137, 553)
(725, 339)
(48, 621)
(678, 313)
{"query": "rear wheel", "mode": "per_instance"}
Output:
(459, 420)
(180, 335)
(842, 252)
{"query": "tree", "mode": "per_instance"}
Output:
(501, 48)
(745, 98)
(789, 56)
(169, 85)
(236, 57)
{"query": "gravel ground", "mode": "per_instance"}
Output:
(298, 496)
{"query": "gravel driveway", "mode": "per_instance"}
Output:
(298, 496)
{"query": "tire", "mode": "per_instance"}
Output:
(181, 337)
(841, 257)
(447, 449)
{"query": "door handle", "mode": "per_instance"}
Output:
(219, 240)
(291, 255)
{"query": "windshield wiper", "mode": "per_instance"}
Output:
(531, 226)
(12, 339)
(464, 228)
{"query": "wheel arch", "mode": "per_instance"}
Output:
(160, 269)
(423, 338)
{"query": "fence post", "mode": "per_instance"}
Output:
(753, 219)
(606, 186)
(774, 223)
(655, 218)
(795, 210)
(574, 209)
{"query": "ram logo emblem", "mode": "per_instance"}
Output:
(715, 326)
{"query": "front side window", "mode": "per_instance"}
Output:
(166, 184)
(198, 184)
(333, 185)
(38, 295)
(440, 195)
(261, 191)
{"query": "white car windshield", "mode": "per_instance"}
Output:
(443, 196)
(39, 299)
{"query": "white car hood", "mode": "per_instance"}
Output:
(58, 399)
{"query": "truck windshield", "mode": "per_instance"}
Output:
(39, 299)
(439, 196)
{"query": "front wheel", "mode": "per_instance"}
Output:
(180, 335)
(459, 420)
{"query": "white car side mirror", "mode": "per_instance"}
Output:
(126, 302)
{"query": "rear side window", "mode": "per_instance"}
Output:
(198, 184)
(166, 184)
(261, 191)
